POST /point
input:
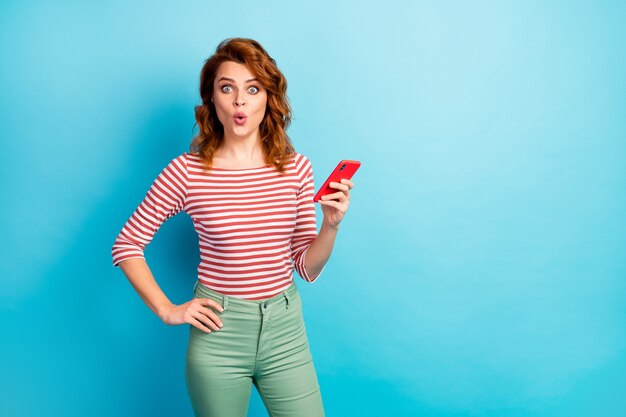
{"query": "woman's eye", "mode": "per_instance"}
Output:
(227, 88)
(253, 90)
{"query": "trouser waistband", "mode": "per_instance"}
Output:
(251, 306)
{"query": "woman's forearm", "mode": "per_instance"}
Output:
(140, 277)
(319, 252)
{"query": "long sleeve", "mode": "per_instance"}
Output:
(305, 231)
(165, 198)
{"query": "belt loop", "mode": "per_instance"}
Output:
(225, 302)
(195, 286)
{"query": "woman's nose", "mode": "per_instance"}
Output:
(239, 100)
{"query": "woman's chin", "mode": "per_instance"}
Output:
(242, 132)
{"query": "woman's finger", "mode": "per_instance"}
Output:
(340, 195)
(348, 182)
(211, 315)
(196, 323)
(206, 321)
(336, 204)
(212, 303)
(339, 186)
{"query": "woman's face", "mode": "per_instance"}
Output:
(239, 100)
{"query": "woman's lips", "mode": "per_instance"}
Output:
(240, 118)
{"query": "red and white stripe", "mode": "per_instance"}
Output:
(254, 225)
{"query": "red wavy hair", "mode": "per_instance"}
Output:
(276, 145)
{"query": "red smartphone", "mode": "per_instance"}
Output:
(344, 170)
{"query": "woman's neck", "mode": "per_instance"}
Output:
(238, 153)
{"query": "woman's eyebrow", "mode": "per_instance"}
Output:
(230, 79)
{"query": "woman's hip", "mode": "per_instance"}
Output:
(252, 330)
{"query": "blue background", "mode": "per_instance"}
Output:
(480, 270)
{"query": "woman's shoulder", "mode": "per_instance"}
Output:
(302, 166)
(300, 159)
(188, 157)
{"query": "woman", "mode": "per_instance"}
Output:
(250, 196)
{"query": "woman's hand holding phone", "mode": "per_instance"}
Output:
(335, 204)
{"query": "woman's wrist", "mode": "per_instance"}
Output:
(163, 311)
(330, 227)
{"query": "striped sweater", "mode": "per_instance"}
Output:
(254, 225)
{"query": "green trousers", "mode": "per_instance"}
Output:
(262, 343)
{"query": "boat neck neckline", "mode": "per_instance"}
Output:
(233, 169)
(238, 169)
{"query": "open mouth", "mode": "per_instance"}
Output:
(240, 118)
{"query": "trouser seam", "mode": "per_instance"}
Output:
(265, 400)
